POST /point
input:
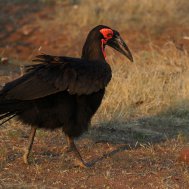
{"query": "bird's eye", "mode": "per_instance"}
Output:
(109, 35)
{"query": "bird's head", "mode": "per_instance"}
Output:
(113, 39)
(104, 35)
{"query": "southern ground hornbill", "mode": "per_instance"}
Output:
(63, 92)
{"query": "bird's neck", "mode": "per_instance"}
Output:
(94, 50)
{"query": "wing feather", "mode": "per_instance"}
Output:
(56, 74)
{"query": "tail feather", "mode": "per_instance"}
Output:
(10, 117)
(7, 112)
(6, 115)
(11, 108)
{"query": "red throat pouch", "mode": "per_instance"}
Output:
(107, 34)
(103, 42)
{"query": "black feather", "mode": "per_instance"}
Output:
(60, 91)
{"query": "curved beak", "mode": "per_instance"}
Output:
(118, 44)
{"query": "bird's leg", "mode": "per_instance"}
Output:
(68, 147)
(72, 148)
(29, 146)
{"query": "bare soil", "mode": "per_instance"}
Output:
(117, 158)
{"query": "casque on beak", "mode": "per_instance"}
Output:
(118, 44)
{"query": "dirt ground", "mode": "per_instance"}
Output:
(117, 158)
(146, 155)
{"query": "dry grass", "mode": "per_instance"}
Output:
(157, 82)
(148, 15)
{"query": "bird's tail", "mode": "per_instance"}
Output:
(10, 108)
(6, 117)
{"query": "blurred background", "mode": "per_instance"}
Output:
(61, 26)
(157, 32)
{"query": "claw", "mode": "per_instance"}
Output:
(81, 164)
(72, 148)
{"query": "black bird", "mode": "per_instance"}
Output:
(63, 92)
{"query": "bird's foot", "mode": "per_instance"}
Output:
(81, 164)
(25, 158)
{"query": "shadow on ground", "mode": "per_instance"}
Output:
(146, 131)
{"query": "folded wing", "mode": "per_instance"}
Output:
(55, 74)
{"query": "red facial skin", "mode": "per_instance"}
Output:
(107, 34)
